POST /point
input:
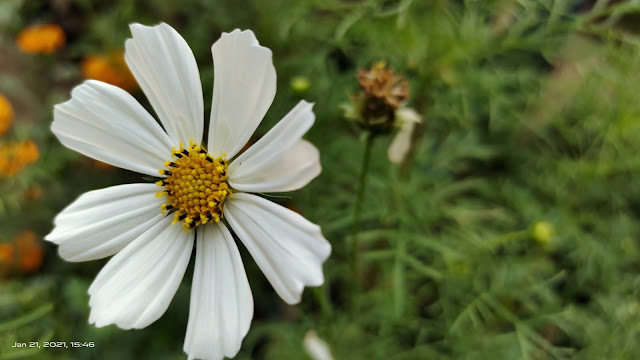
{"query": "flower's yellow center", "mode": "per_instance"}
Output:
(195, 186)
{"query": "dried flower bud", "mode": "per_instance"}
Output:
(383, 87)
(382, 93)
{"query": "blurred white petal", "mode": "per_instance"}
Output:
(401, 143)
(280, 160)
(221, 300)
(106, 123)
(102, 222)
(288, 248)
(136, 286)
(164, 66)
(315, 347)
(244, 87)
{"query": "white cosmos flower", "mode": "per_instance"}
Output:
(199, 187)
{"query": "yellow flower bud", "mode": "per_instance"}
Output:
(543, 233)
(300, 84)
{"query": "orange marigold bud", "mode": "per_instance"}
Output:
(25, 239)
(6, 114)
(111, 69)
(28, 152)
(30, 252)
(6, 253)
(6, 258)
(33, 193)
(41, 39)
(16, 155)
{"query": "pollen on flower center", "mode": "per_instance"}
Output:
(195, 186)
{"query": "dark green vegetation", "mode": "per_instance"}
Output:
(531, 116)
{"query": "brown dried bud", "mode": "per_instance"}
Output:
(383, 84)
(382, 93)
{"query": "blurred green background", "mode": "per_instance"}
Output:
(510, 232)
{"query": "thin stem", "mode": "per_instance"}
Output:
(400, 244)
(399, 283)
(320, 293)
(357, 213)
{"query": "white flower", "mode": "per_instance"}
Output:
(317, 348)
(199, 188)
(406, 118)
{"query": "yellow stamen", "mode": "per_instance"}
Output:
(196, 186)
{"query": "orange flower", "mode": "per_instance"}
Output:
(16, 155)
(30, 252)
(111, 69)
(6, 114)
(33, 193)
(25, 239)
(6, 258)
(28, 152)
(6, 253)
(43, 39)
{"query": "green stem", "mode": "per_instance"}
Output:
(322, 297)
(357, 213)
(399, 276)
(400, 243)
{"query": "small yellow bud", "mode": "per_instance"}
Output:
(300, 84)
(543, 232)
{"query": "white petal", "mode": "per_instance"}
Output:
(106, 123)
(243, 88)
(316, 348)
(221, 300)
(401, 143)
(407, 118)
(279, 161)
(102, 222)
(288, 248)
(164, 66)
(136, 286)
(408, 115)
(292, 170)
